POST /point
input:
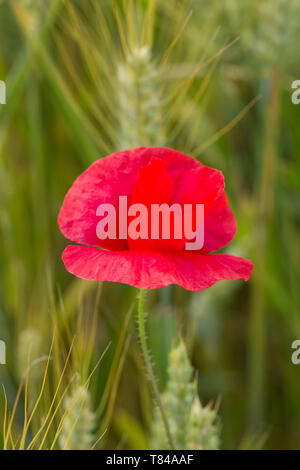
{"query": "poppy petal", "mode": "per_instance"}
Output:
(205, 185)
(152, 269)
(219, 226)
(103, 182)
(202, 185)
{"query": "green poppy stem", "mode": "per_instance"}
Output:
(147, 360)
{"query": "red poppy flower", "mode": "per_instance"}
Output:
(147, 176)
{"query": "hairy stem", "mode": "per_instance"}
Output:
(145, 352)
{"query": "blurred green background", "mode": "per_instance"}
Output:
(208, 78)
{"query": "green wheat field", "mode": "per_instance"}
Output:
(211, 79)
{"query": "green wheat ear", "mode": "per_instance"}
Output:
(192, 426)
(139, 101)
(268, 29)
(203, 432)
(78, 430)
